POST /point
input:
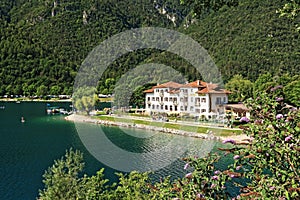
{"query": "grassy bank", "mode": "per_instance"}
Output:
(173, 125)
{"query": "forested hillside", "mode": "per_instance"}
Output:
(43, 43)
(251, 39)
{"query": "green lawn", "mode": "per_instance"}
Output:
(198, 129)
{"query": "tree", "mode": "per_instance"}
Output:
(84, 99)
(109, 84)
(138, 96)
(204, 7)
(241, 88)
(292, 93)
(62, 180)
(263, 82)
(42, 90)
(55, 90)
(291, 10)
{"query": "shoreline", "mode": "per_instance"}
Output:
(85, 119)
(35, 100)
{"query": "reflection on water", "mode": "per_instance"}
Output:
(28, 149)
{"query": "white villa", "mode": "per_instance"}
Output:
(196, 98)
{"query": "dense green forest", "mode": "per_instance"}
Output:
(43, 43)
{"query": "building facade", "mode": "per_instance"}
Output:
(196, 98)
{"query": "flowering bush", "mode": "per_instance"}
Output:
(271, 160)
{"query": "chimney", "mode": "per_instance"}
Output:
(198, 82)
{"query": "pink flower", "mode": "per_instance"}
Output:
(231, 176)
(244, 119)
(229, 141)
(238, 167)
(215, 178)
(213, 185)
(288, 138)
(278, 99)
(199, 195)
(186, 166)
(279, 116)
(276, 88)
(236, 157)
(217, 172)
(189, 175)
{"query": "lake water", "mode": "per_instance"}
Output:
(28, 149)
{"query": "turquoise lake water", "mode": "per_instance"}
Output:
(28, 149)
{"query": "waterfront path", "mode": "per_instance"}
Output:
(116, 122)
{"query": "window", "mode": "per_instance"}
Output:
(148, 98)
(171, 99)
(166, 107)
(153, 107)
(218, 100)
(149, 106)
(157, 107)
(224, 100)
(192, 99)
(171, 108)
(192, 108)
(181, 99)
(153, 98)
(157, 98)
(166, 98)
(175, 108)
(203, 100)
(161, 107)
(203, 110)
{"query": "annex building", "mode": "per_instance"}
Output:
(196, 98)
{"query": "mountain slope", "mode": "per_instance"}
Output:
(43, 43)
(250, 39)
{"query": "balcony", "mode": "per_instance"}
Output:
(161, 103)
(161, 94)
(175, 103)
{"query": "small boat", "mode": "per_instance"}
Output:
(22, 119)
(2, 107)
(18, 102)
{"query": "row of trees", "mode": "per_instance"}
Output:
(243, 89)
(267, 167)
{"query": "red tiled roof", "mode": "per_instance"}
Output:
(170, 84)
(204, 88)
(196, 84)
(213, 88)
(149, 90)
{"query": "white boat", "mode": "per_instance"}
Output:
(22, 119)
